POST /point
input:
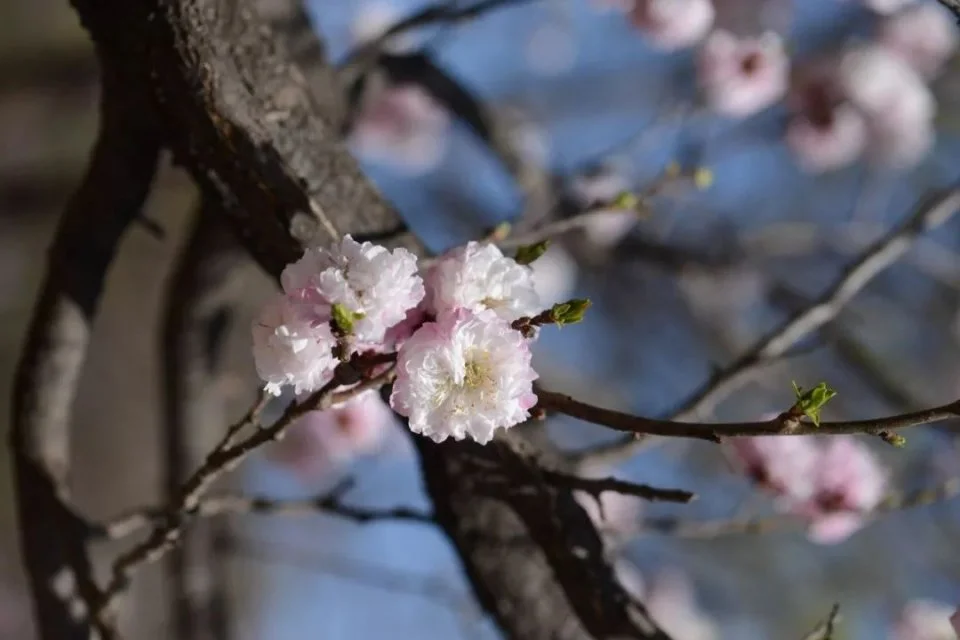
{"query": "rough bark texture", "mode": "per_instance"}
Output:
(238, 115)
(53, 538)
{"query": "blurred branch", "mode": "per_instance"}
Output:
(230, 452)
(446, 14)
(953, 6)
(109, 198)
(931, 213)
(824, 630)
(329, 502)
(596, 486)
(202, 301)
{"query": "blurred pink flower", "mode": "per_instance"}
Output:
(825, 132)
(955, 622)
(848, 484)
(741, 77)
(924, 35)
(401, 125)
(783, 465)
(673, 24)
(925, 620)
(322, 440)
(897, 103)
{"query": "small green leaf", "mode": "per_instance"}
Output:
(527, 254)
(894, 439)
(703, 178)
(570, 312)
(626, 200)
(811, 401)
(500, 232)
(343, 318)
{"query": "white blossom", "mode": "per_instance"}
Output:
(378, 285)
(477, 277)
(290, 347)
(464, 376)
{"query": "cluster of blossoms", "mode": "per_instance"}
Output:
(870, 99)
(927, 620)
(833, 487)
(463, 359)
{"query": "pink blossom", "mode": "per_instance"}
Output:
(378, 285)
(479, 277)
(784, 465)
(321, 440)
(826, 133)
(924, 35)
(897, 103)
(741, 77)
(924, 620)
(848, 484)
(292, 348)
(401, 125)
(464, 376)
(955, 622)
(400, 332)
(673, 24)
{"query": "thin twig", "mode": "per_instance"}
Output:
(714, 431)
(226, 456)
(329, 502)
(931, 213)
(824, 630)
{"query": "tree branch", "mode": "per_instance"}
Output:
(933, 211)
(330, 502)
(53, 538)
(714, 431)
(230, 452)
(596, 486)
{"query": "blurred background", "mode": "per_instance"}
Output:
(744, 229)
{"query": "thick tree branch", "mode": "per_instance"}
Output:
(933, 211)
(109, 198)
